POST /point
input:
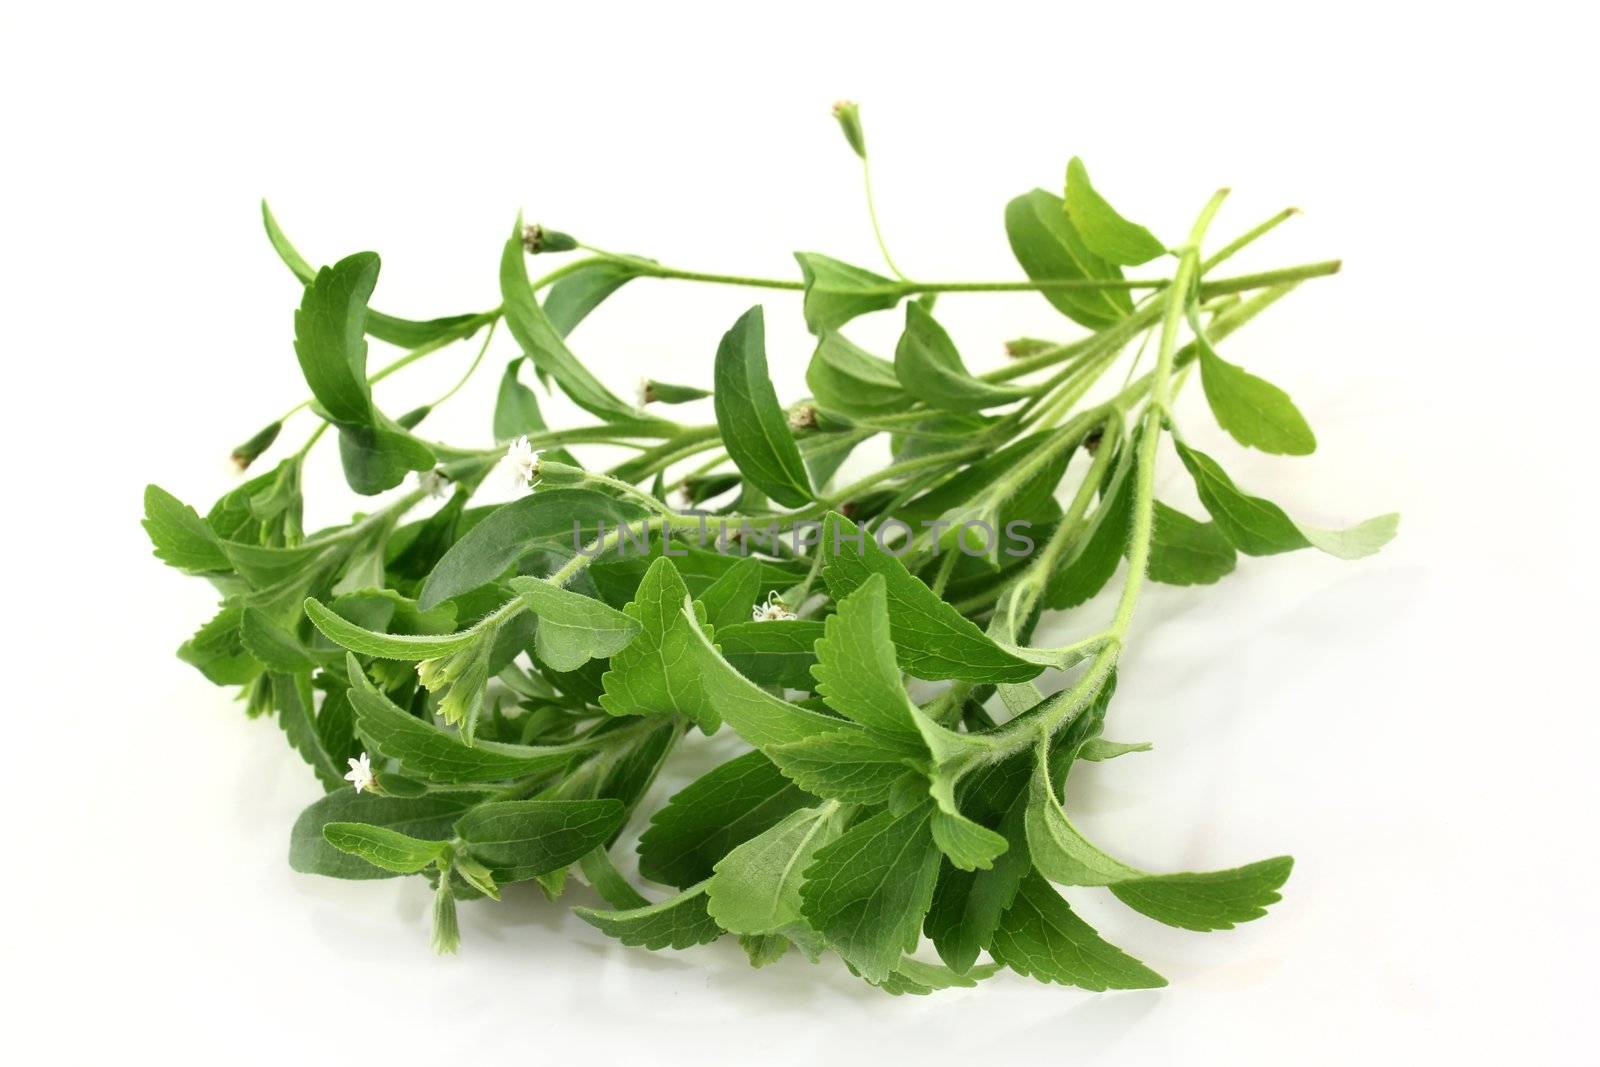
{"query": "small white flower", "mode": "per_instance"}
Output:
(803, 417)
(643, 395)
(434, 482)
(774, 610)
(521, 462)
(360, 774)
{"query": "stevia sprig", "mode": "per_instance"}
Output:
(487, 692)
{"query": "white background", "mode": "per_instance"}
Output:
(1418, 728)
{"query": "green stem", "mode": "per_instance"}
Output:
(872, 213)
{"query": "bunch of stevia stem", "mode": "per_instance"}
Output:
(504, 682)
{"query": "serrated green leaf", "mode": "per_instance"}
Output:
(754, 428)
(302, 725)
(932, 640)
(964, 843)
(1105, 232)
(385, 847)
(1040, 936)
(1184, 551)
(866, 893)
(677, 922)
(837, 292)
(1049, 247)
(573, 628)
(520, 839)
(181, 537)
(1209, 900)
(716, 812)
(756, 888)
(1258, 527)
(929, 368)
(856, 670)
(673, 666)
(845, 378)
(848, 764)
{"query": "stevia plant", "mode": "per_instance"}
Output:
(504, 682)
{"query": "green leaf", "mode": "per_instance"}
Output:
(270, 643)
(677, 922)
(1098, 749)
(1257, 413)
(329, 337)
(511, 531)
(966, 844)
(573, 628)
(667, 393)
(430, 818)
(847, 379)
(1106, 233)
(1040, 936)
(1259, 527)
(928, 367)
(656, 674)
(848, 764)
(305, 729)
(777, 652)
(918, 979)
(728, 600)
(406, 333)
(384, 847)
(516, 407)
(856, 670)
(180, 536)
(1185, 551)
(574, 296)
(672, 666)
(520, 839)
(716, 812)
(1048, 247)
(756, 888)
(1211, 900)
(378, 458)
(837, 292)
(543, 343)
(932, 639)
(362, 641)
(436, 755)
(754, 429)
(1098, 554)
(867, 892)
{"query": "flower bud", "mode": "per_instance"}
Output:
(803, 417)
(536, 239)
(410, 419)
(246, 453)
(848, 112)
